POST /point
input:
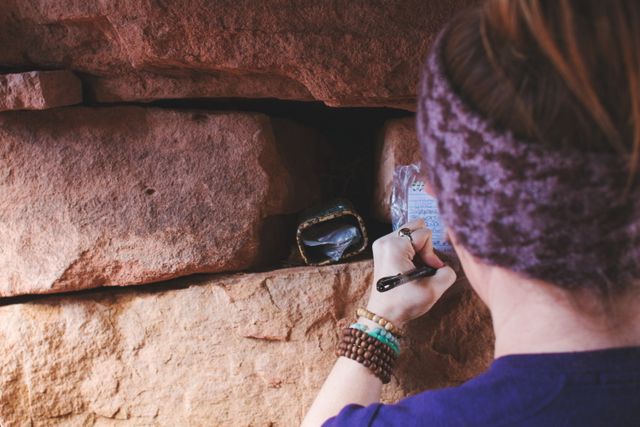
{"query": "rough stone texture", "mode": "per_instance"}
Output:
(39, 90)
(349, 52)
(397, 145)
(122, 196)
(231, 351)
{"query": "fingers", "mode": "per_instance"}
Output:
(416, 223)
(420, 243)
(423, 244)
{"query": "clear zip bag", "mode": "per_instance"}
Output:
(410, 201)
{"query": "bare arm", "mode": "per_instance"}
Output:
(351, 382)
(348, 382)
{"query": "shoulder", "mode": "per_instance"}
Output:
(494, 398)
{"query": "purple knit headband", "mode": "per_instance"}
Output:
(549, 213)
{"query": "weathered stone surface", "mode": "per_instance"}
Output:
(343, 53)
(397, 145)
(122, 196)
(39, 90)
(232, 351)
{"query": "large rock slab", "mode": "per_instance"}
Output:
(243, 350)
(123, 196)
(342, 53)
(39, 90)
(397, 145)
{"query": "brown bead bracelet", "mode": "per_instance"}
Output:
(358, 337)
(379, 370)
(368, 355)
(375, 355)
(380, 367)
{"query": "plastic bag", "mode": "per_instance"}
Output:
(332, 241)
(409, 201)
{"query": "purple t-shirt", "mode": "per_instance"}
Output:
(594, 388)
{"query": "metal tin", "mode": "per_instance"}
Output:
(339, 208)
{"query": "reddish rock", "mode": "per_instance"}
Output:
(145, 86)
(243, 350)
(123, 196)
(39, 90)
(397, 145)
(358, 53)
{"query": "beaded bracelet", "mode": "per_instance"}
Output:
(385, 340)
(381, 335)
(386, 324)
(360, 338)
(380, 331)
(376, 331)
(359, 346)
(367, 350)
(378, 370)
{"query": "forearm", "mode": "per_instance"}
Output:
(348, 382)
(374, 339)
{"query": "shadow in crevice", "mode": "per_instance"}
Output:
(149, 288)
(350, 135)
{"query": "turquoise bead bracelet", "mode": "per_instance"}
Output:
(377, 335)
(381, 335)
(381, 331)
(385, 340)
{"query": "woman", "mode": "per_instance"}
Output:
(529, 121)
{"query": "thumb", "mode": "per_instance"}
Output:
(423, 245)
(442, 280)
(422, 241)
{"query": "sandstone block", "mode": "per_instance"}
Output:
(397, 145)
(39, 90)
(242, 350)
(348, 53)
(120, 196)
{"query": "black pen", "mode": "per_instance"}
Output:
(390, 282)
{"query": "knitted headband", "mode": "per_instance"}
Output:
(549, 213)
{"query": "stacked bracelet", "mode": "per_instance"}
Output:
(381, 335)
(369, 351)
(386, 324)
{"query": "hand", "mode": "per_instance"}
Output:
(393, 254)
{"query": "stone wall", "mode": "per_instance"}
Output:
(172, 146)
(352, 52)
(118, 196)
(240, 350)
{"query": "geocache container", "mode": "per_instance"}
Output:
(330, 233)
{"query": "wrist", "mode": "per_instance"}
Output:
(382, 321)
(389, 314)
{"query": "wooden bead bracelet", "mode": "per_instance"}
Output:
(381, 371)
(372, 353)
(386, 324)
(359, 338)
